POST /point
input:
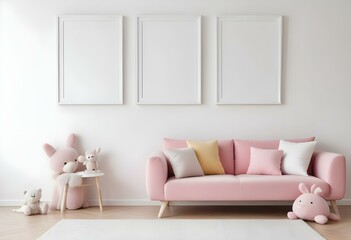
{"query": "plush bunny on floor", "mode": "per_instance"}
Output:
(312, 206)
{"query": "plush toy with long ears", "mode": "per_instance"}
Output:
(311, 206)
(90, 160)
(64, 163)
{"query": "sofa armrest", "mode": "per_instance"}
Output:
(156, 175)
(331, 167)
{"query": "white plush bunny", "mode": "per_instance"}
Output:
(90, 160)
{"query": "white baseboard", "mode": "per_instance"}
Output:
(11, 203)
(146, 202)
(344, 202)
(125, 202)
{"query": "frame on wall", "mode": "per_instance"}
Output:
(90, 59)
(249, 59)
(168, 59)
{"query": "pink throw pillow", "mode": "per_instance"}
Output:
(265, 161)
(242, 151)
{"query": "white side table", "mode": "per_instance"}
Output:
(84, 174)
(95, 175)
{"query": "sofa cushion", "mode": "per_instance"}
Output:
(265, 161)
(169, 143)
(239, 188)
(269, 187)
(206, 188)
(242, 151)
(297, 157)
(184, 162)
(207, 153)
(226, 152)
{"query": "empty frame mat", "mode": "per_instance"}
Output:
(169, 59)
(90, 59)
(249, 59)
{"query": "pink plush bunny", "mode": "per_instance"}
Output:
(64, 164)
(312, 206)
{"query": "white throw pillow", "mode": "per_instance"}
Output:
(296, 157)
(184, 162)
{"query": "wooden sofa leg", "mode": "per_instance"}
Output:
(163, 208)
(335, 207)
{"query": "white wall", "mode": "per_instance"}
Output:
(316, 85)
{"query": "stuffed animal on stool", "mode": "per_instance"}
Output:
(90, 160)
(312, 206)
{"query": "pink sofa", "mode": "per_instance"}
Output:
(327, 170)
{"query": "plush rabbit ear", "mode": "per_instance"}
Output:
(303, 188)
(314, 186)
(98, 150)
(49, 150)
(71, 141)
(318, 191)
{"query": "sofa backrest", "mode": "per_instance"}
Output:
(225, 147)
(234, 154)
(242, 151)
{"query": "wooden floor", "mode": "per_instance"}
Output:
(17, 226)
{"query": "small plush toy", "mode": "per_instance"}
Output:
(90, 160)
(312, 206)
(64, 163)
(32, 203)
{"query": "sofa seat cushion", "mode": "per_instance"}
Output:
(205, 188)
(241, 187)
(284, 187)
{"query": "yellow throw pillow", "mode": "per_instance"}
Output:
(208, 155)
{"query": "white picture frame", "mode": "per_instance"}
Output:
(168, 59)
(249, 59)
(90, 59)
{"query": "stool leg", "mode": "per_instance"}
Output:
(64, 198)
(335, 207)
(99, 192)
